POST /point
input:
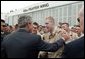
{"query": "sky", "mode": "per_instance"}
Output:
(6, 6)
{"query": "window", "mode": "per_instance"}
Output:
(64, 11)
(69, 10)
(47, 12)
(69, 20)
(73, 21)
(39, 17)
(34, 17)
(79, 6)
(73, 9)
(10, 20)
(15, 19)
(60, 12)
(65, 19)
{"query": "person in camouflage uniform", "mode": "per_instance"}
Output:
(51, 36)
(73, 35)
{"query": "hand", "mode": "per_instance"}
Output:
(65, 35)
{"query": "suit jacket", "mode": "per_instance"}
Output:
(23, 44)
(74, 49)
(3, 34)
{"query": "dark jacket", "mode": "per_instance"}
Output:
(23, 44)
(3, 34)
(74, 49)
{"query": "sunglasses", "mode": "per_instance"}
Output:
(78, 20)
(4, 25)
(46, 23)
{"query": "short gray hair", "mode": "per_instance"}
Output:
(24, 20)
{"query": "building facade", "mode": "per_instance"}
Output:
(61, 11)
(4, 16)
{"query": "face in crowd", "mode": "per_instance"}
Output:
(78, 30)
(65, 26)
(49, 23)
(35, 29)
(81, 18)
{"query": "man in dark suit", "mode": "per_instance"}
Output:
(2, 29)
(75, 49)
(23, 44)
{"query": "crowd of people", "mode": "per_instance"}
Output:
(42, 30)
(31, 40)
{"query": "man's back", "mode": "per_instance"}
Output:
(74, 49)
(23, 44)
(20, 44)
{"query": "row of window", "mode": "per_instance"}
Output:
(66, 13)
